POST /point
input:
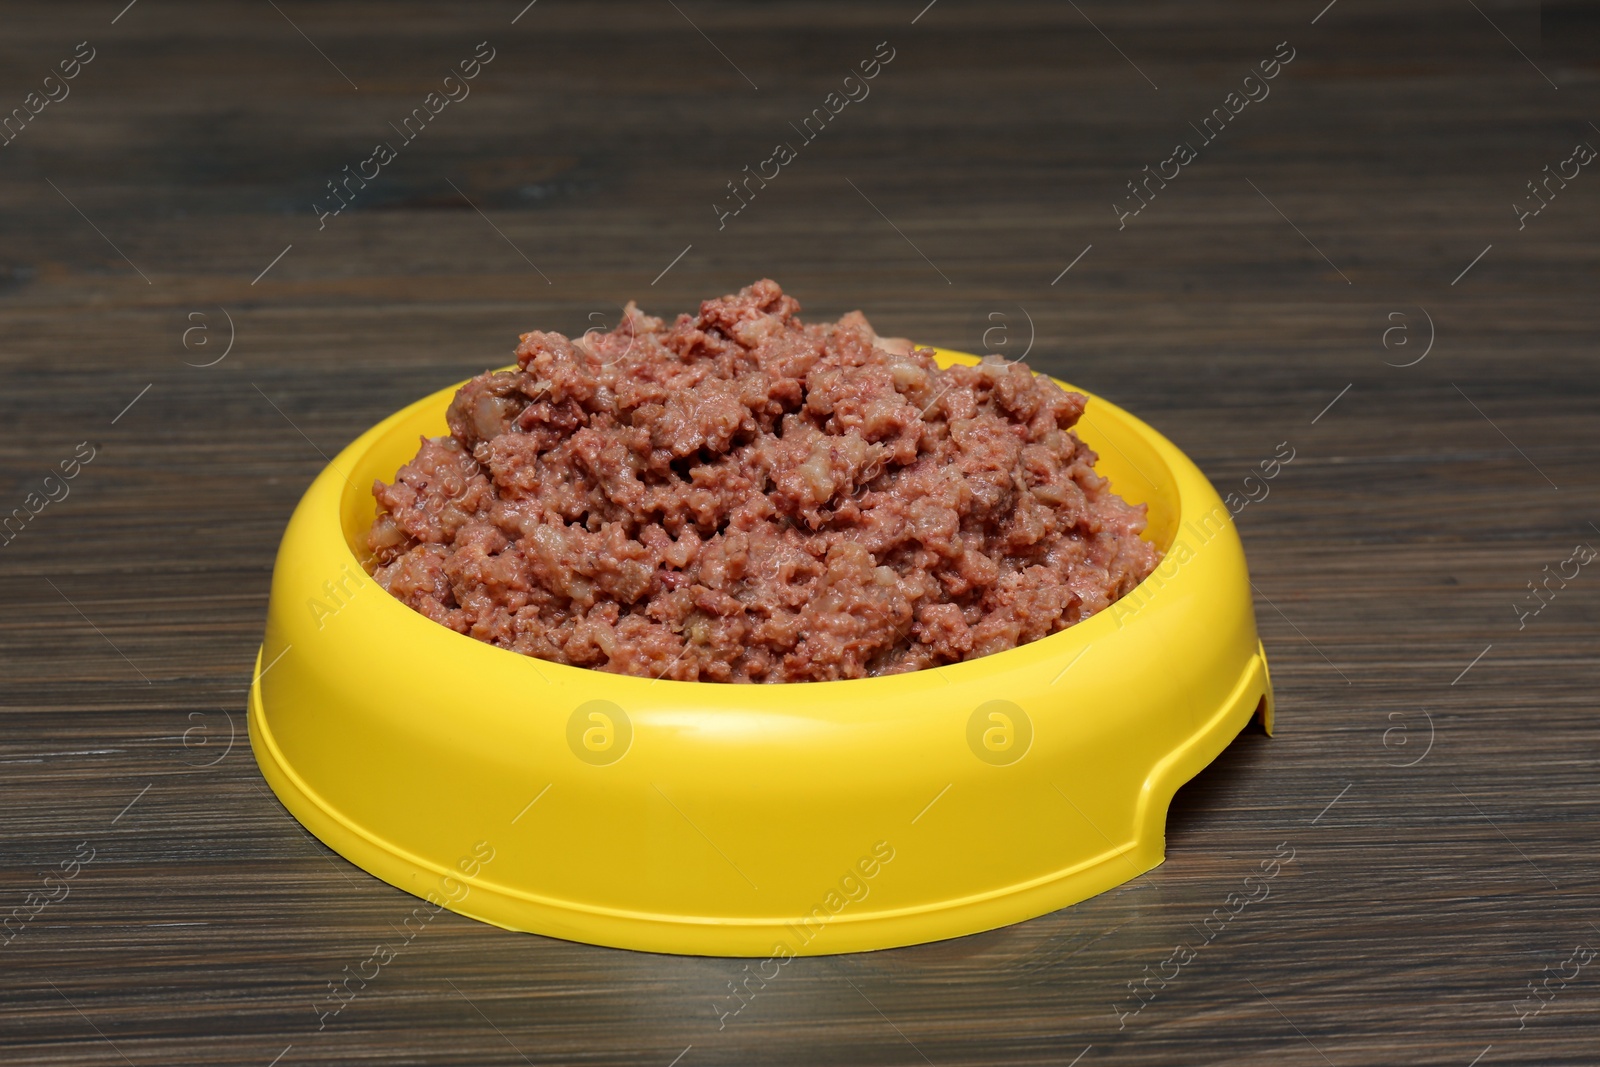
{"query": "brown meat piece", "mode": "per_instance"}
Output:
(742, 497)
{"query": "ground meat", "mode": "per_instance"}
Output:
(740, 497)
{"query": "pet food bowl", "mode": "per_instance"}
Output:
(751, 820)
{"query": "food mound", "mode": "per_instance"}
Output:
(741, 497)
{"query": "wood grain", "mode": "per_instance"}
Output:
(1247, 296)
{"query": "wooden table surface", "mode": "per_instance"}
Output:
(1341, 268)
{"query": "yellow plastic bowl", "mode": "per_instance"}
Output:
(751, 820)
